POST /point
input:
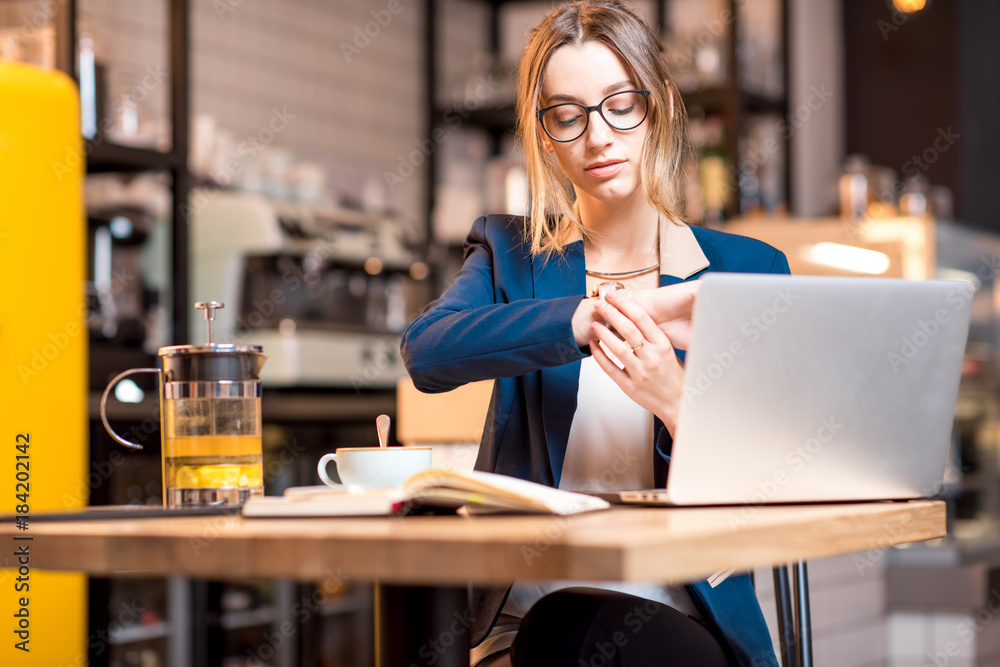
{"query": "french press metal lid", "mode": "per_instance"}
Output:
(213, 361)
(213, 370)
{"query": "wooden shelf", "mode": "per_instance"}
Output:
(711, 99)
(103, 156)
(720, 100)
(497, 118)
(757, 103)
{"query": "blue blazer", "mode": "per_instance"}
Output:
(507, 316)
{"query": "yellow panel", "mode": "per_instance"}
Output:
(43, 351)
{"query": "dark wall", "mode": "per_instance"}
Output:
(902, 88)
(923, 96)
(979, 80)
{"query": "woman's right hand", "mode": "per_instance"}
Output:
(671, 307)
(583, 321)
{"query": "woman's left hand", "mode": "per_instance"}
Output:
(652, 375)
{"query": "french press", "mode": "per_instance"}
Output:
(210, 420)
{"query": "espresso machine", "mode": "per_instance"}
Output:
(326, 291)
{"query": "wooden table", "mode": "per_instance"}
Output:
(432, 558)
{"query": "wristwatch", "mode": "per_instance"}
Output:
(604, 288)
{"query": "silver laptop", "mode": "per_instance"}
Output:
(804, 389)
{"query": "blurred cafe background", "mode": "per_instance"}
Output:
(315, 165)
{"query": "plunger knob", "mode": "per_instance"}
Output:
(209, 307)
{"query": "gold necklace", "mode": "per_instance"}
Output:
(623, 274)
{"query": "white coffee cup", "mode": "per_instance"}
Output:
(374, 467)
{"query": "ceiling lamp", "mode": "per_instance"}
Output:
(909, 6)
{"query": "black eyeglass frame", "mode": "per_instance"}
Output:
(589, 110)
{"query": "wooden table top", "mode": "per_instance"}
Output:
(627, 544)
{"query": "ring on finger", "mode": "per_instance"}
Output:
(636, 348)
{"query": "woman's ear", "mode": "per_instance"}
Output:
(546, 140)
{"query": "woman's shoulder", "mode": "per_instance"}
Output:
(732, 252)
(500, 231)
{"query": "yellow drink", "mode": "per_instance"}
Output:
(215, 462)
(211, 451)
(211, 445)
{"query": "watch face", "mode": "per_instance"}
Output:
(606, 288)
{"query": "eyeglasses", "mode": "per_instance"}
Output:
(624, 110)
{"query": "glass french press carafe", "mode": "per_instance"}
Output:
(210, 420)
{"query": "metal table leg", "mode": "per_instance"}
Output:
(804, 619)
(794, 618)
(422, 625)
(786, 618)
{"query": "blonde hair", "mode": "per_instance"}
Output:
(551, 213)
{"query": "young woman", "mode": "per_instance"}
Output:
(587, 389)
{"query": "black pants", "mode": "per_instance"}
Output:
(593, 627)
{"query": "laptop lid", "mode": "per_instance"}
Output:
(807, 388)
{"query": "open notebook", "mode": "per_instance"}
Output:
(478, 492)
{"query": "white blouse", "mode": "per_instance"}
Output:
(610, 444)
(610, 448)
